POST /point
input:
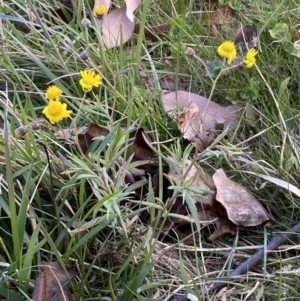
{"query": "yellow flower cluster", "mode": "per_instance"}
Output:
(228, 51)
(56, 111)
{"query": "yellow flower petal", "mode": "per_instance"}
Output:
(56, 111)
(89, 80)
(250, 58)
(227, 50)
(53, 92)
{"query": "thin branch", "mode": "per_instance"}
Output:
(247, 265)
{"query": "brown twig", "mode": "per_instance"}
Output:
(247, 265)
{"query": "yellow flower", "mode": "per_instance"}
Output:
(89, 80)
(250, 58)
(227, 50)
(53, 92)
(100, 10)
(56, 111)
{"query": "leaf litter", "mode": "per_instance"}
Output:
(217, 199)
(117, 26)
(222, 202)
(199, 117)
(52, 283)
(243, 208)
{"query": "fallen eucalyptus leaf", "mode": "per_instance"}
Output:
(131, 6)
(118, 26)
(243, 208)
(52, 283)
(199, 124)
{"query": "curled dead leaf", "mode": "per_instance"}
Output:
(222, 16)
(117, 27)
(199, 122)
(194, 128)
(52, 283)
(243, 209)
(131, 6)
(141, 148)
(247, 34)
(86, 135)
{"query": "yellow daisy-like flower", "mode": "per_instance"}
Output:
(53, 92)
(56, 111)
(89, 80)
(227, 50)
(100, 10)
(250, 58)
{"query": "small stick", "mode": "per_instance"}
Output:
(276, 241)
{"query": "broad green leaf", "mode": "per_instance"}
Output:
(281, 32)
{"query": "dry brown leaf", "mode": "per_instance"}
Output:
(222, 224)
(118, 26)
(243, 208)
(247, 34)
(152, 32)
(225, 115)
(200, 123)
(141, 148)
(222, 16)
(131, 6)
(197, 177)
(52, 283)
(193, 127)
(85, 138)
(106, 3)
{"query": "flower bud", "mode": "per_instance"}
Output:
(84, 55)
(21, 131)
(86, 23)
(190, 52)
(142, 74)
(35, 125)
